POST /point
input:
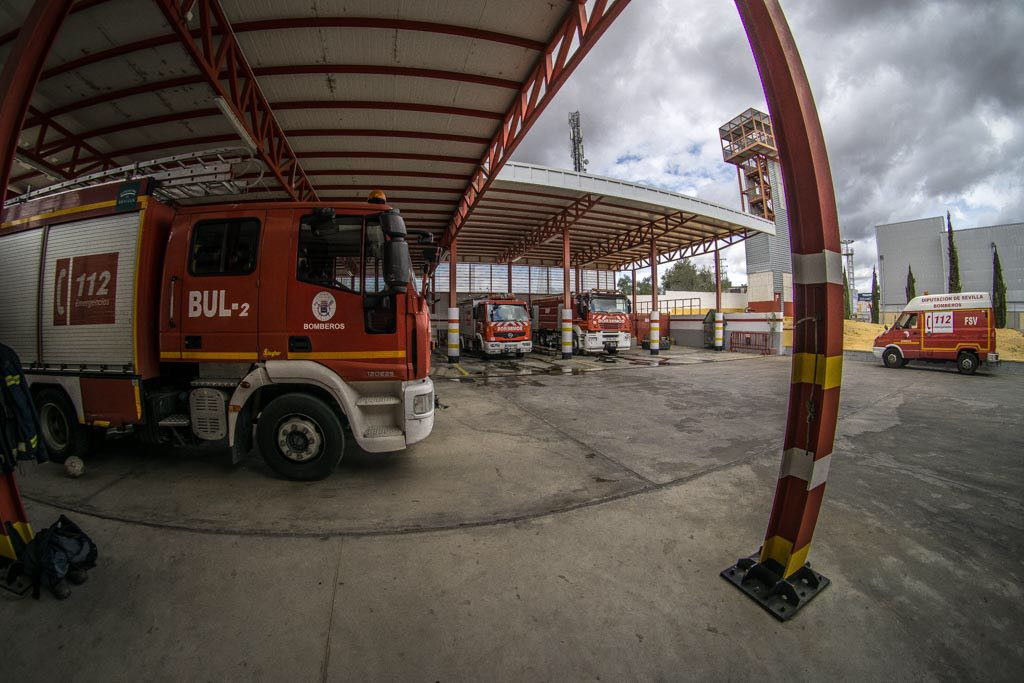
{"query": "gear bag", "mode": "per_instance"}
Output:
(55, 550)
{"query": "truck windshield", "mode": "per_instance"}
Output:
(329, 251)
(609, 305)
(508, 312)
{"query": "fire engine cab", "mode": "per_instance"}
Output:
(600, 321)
(279, 325)
(940, 328)
(495, 324)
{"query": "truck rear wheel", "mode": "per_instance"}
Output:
(967, 362)
(300, 437)
(892, 358)
(58, 423)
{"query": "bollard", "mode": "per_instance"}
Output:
(655, 333)
(719, 330)
(566, 333)
(453, 335)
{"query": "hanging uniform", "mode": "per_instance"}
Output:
(19, 424)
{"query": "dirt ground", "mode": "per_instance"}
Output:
(858, 336)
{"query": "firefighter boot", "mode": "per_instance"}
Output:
(60, 589)
(77, 576)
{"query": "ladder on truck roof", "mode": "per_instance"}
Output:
(190, 175)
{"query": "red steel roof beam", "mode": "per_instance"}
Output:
(575, 37)
(21, 73)
(639, 236)
(214, 55)
(553, 226)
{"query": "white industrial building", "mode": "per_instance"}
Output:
(923, 246)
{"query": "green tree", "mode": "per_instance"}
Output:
(874, 296)
(626, 284)
(684, 276)
(847, 310)
(911, 284)
(998, 290)
(954, 260)
(644, 286)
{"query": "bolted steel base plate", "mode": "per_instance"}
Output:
(764, 584)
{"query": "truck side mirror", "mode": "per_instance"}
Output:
(430, 254)
(397, 265)
(393, 224)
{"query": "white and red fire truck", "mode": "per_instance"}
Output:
(600, 321)
(495, 324)
(940, 328)
(279, 325)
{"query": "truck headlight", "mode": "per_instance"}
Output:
(422, 403)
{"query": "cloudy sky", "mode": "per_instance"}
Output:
(920, 100)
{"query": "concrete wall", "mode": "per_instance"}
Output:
(688, 330)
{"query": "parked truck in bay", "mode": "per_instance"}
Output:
(600, 321)
(276, 325)
(941, 328)
(495, 324)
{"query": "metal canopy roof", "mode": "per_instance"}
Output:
(611, 222)
(421, 99)
(424, 98)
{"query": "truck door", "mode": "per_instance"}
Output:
(219, 288)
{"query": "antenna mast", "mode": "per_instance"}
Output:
(579, 161)
(848, 253)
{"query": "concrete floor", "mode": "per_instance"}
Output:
(558, 526)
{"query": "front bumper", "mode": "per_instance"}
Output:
(878, 350)
(499, 347)
(418, 402)
(601, 341)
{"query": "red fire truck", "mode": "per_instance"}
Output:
(600, 321)
(279, 325)
(940, 328)
(495, 324)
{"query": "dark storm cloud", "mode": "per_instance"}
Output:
(921, 104)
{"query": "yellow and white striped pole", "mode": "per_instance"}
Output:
(719, 330)
(655, 332)
(453, 335)
(566, 333)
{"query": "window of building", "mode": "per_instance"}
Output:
(224, 247)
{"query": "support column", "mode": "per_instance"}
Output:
(453, 305)
(510, 277)
(719, 316)
(579, 280)
(636, 316)
(21, 73)
(655, 338)
(566, 299)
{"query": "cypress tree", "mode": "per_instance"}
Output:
(874, 296)
(847, 312)
(998, 290)
(954, 261)
(911, 284)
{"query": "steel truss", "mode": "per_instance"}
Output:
(220, 60)
(706, 246)
(552, 227)
(571, 43)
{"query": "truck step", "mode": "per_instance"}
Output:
(378, 401)
(175, 421)
(215, 383)
(381, 432)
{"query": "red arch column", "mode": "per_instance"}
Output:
(21, 73)
(780, 573)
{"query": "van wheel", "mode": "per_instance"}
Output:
(967, 362)
(300, 437)
(892, 358)
(58, 423)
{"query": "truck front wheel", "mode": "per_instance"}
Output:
(967, 362)
(892, 358)
(300, 437)
(58, 422)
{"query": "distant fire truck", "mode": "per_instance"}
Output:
(274, 324)
(495, 324)
(600, 321)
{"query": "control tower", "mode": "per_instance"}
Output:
(748, 142)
